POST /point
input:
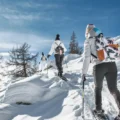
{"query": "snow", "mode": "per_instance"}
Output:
(117, 39)
(70, 57)
(51, 98)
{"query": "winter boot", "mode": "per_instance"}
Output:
(99, 114)
(58, 74)
(62, 77)
(98, 111)
(117, 118)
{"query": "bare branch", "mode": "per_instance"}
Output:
(22, 60)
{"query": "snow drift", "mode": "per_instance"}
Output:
(51, 98)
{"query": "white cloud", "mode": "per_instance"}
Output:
(34, 4)
(21, 17)
(12, 13)
(5, 54)
(4, 46)
(9, 40)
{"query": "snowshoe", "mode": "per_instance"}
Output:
(117, 118)
(100, 115)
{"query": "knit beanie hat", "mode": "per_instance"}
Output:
(57, 37)
(98, 32)
(42, 54)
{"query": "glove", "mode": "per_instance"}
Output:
(83, 78)
(48, 56)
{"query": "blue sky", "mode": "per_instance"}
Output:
(38, 21)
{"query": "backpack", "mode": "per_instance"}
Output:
(106, 49)
(59, 49)
(43, 58)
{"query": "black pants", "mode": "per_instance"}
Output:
(59, 59)
(108, 70)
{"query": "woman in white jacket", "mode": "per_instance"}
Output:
(106, 68)
(43, 63)
(58, 49)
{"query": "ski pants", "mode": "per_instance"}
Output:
(109, 71)
(59, 59)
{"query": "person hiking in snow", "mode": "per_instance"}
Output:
(43, 63)
(58, 49)
(104, 66)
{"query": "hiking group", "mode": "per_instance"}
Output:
(102, 52)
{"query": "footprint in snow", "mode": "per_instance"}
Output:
(76, 107)
(78, 112)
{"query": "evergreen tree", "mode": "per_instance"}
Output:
(74, 46)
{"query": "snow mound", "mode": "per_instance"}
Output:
(70, 57)
(54, 99)
(31, 88)
(117, 39)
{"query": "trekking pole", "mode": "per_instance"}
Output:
(83, 99)
(47, 66)
(66, 64)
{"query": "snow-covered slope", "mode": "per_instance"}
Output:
(51, 98)
(70, 57)
(117, 39)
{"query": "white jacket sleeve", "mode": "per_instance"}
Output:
(64, 47)
(86, 57)
(52, 49)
